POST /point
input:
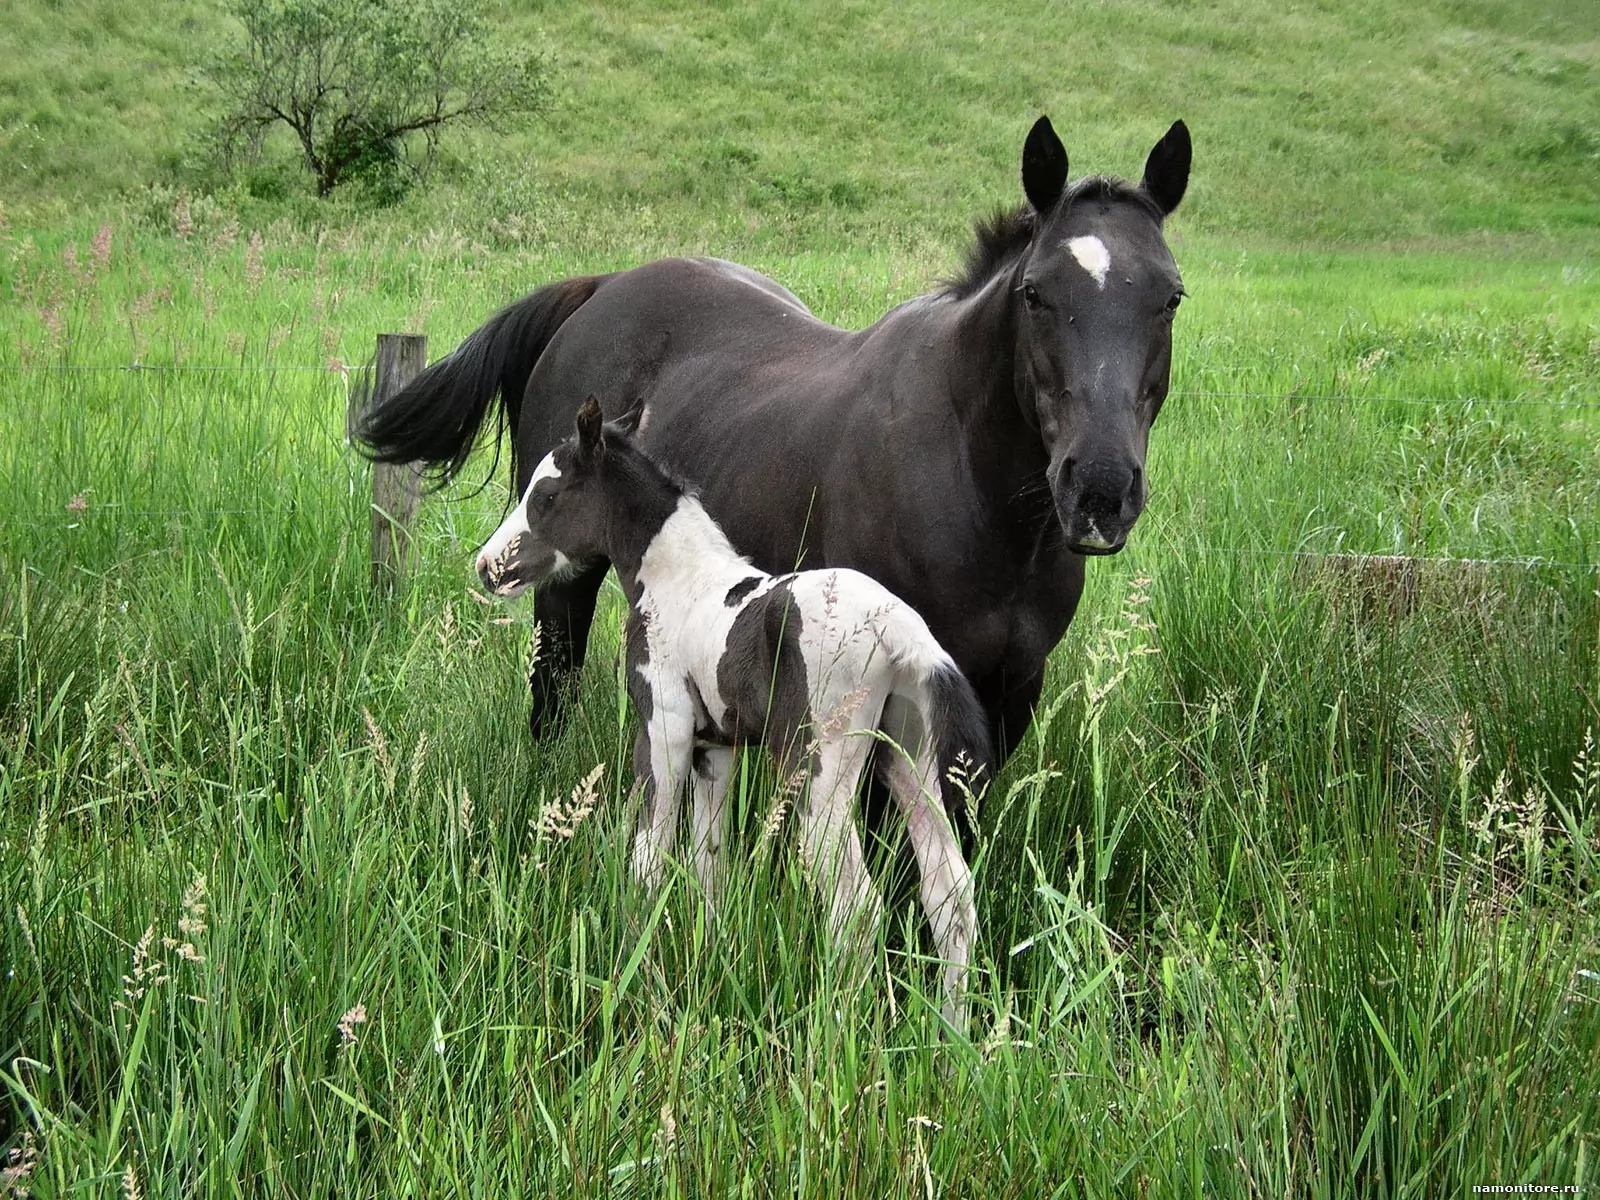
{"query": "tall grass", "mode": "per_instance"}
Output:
(1289, 891)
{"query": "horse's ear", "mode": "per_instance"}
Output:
(589, 422)
(1166, 171)
(1044, 166)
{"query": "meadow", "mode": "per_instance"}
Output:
(1290, 891)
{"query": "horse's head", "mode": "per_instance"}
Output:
(561, 522)
(1096, 291)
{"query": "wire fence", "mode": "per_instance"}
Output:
(1299, 397)
(1345, 398)
(72, 515)
(64, 519)
(159, 368)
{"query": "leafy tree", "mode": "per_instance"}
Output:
(356, 81)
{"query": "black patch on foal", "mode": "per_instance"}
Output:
(762, 674)
(637, 654)
(740, 590)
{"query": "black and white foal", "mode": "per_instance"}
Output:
(816, 665)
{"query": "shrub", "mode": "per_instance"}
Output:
(360, 82)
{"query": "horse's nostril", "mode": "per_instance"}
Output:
(1136, 488)
(1100, 504)
(1065, 477)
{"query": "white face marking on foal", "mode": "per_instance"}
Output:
(1092, 256)
(502, 542)
(546, 469)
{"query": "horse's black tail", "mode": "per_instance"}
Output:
(437, 416)
(954, 727)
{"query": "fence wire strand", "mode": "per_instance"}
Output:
(71, 518)
(341, 369)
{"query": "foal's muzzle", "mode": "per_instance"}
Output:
(508, 574)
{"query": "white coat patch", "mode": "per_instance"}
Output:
(1092, 256)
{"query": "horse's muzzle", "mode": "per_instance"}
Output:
(1098, 504)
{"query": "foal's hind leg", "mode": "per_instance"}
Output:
(833, 848)
(713, 771)
(564, 610)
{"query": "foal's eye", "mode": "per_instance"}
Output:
(1177, 299)
(1030, 296)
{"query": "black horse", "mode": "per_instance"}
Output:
(967, 451)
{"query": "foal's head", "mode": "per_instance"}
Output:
(569, 515)
(1096, 290)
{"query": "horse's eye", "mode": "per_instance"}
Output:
(1177, 299)
(1030, 296)
(547, 499)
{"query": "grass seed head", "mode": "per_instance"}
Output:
(354, 1016)
(146, 972)
(559, 820)
(380, 750)
(22, 1160)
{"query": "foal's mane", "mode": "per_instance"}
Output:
(625, 453)
(999, 239)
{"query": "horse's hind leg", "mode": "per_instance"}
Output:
(713, 771)
(564, 610)
(833, 847)
(912, 772)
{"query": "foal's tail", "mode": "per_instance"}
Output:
(437, 416)
(952, 717)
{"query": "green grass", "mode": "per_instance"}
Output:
(1291, 891)
(1336, 122)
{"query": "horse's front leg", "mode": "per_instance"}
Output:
(564, 609)
(1009, 695)
(662, 757)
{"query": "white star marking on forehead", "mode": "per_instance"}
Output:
(1092, 256)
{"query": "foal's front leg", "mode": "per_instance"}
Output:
(713, 771)
(662, 755)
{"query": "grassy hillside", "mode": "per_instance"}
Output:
(1343, 120)
(1290, 891)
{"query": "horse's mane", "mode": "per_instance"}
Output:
(1000, 238)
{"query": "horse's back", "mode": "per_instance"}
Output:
(698, 303)
(665, 334)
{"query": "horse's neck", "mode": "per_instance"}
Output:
(974, 340)
(984, 331)
(687, 551)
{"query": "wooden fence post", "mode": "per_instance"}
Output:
(396, 487)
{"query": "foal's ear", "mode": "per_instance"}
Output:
(1044, 166)
(627, 423)
(589, 421)
(1166, 171)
